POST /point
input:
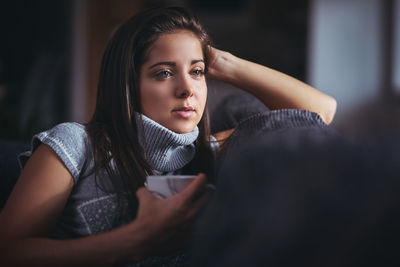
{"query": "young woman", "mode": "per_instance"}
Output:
(80, 198)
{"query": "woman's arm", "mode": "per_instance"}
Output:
(275, 89)
(39, 198)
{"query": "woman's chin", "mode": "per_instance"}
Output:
(182, 129)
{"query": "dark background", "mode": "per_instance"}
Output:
(36, 51)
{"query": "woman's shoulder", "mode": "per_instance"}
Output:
(68, 135)
(69, 140)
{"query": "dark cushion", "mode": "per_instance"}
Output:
(234, 108)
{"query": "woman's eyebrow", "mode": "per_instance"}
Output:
(197, 61)
(173, 64)
(168, 63)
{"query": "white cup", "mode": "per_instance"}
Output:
(164, 186)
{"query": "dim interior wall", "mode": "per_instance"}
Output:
(344, 55)
(396, 47)
(77, 96)
(94, 23)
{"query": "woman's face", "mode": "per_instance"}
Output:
(172, 84)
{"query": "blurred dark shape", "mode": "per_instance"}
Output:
(9, 167)
(234, 108)
(203, 5)
(34, 54)
(379, 117)
(217, 6)
(42, 103)
(272, 33)
(297, 193)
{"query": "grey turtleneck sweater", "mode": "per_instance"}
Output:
(165, 150)
(89, 210)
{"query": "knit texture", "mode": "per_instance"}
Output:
(275, 120)
(165, 150)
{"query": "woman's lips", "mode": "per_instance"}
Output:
(184, 112)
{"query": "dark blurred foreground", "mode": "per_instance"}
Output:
(304, 195)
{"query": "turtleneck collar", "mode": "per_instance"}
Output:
(165, 150)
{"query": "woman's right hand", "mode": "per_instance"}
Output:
(165, 222)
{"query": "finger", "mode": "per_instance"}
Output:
(211, 53)
(194, 188)
(212, 49)
(209, 48)
(143, 193)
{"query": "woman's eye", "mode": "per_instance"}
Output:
(163, 74)
(198, 72)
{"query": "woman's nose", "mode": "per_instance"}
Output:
(184, 88)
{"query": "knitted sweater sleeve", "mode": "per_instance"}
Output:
(68, 141)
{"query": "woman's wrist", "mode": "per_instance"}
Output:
(232, 70)
(223, 66)
(137, 239)
(231, 65)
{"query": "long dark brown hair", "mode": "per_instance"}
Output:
(113, 130)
